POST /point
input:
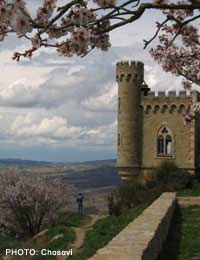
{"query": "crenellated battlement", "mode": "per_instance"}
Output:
(165, 108)
(193, 94)
(129, 70)
(170, 94)
(171, 102)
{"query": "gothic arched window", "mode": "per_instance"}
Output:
(168, 145)
(160, 145)
(164, 142)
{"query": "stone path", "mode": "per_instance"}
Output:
(80, 235)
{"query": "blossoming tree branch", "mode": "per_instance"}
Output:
(79, 26)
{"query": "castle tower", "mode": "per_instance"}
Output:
(130, 76)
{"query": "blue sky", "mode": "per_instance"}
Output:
(65, 109)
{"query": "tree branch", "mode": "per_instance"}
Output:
(146, 43)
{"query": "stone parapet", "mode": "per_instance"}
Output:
(169, 99)
(129, 71)
(180, 93)
(143, 238)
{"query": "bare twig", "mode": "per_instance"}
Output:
(146, 43)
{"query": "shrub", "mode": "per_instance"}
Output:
(168, 177)
(172, 178)
(129, 195)
(29, 203)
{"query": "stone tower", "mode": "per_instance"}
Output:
(151, 126)
(130, 76)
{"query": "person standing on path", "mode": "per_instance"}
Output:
(79, 200)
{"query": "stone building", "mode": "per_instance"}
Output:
(151, 127)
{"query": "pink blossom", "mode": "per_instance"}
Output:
(20, 24)
(29, 202)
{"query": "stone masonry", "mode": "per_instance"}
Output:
(143, 238)
(188, 201)
(143, 117)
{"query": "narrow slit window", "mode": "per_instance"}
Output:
(119, 104)
(118, 141)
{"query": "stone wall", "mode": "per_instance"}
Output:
(188, 201)
(160, 111)
(143, 238)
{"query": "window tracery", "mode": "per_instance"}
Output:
(164, 142)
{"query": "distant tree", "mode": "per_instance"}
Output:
(29, 203)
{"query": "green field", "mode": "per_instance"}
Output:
(194, 191)
(183, 242)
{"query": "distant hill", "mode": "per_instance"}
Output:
(25, 162)
(95, 174)
(84, 175)
(21, 162)
(101, 176)
(96, 179)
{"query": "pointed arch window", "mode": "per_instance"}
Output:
(164, 142)
(160, 144)
(168, 145)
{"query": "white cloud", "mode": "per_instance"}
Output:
(70, 102)
(105, 102)
(50, 127)
(158, 80)
(31, 130)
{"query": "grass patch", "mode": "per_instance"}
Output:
(65, 236)
(71, 219)
(64, 228)
(8, 241)
(183, 240)
(190, 238)
(194, 191)
(54, 231)
(104, 230)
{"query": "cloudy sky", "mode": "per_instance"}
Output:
(64, 109)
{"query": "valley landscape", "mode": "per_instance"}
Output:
(95, 179)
